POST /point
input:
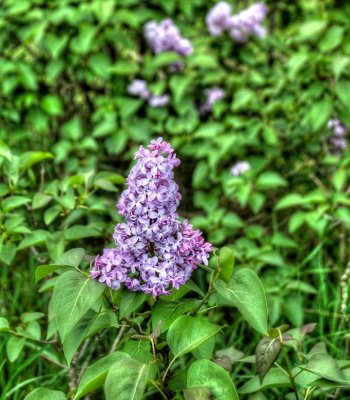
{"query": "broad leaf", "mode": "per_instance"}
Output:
(266, 353)
(205, 373)
(226, 262)
(126, 380)
(130, 301)
(187, 333)
(45, 394)
(95, 375)
(246, 292)
(73, 296)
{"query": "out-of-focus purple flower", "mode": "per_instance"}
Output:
(240, 168)
(165, 36)
(338, 139)
(240, 26)
(218, 18)
(158, 101)
(155, 251)
(212, 96)
(248, 22)
(138, 87)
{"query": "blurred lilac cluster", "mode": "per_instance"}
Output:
(240, 168)
(240, 26)
(139, 88)
(212, 96)
(165, 36)
(155, 251)
(338, 139)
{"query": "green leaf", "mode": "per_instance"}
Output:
(126, 380)
(130, 301)
(72, 257)
(247, 293)
(274, 378)
(4, 325)
(7, 252)
(51, 214)
(320, 113)
(290, 200)
(5, 151)
(95, 375)
(167, 312)
(52, 105)
(31, 316)
(40, 200)
(339, 179)
(226, 262)
(80, 232)
(31, 158)
(35, 238)
(13, 202)
(205, 373)
(45, 394)
(270, 180)
(332, 39)
(187, 333)
(342, 90)
(14, 347)
(311, 29)
(197, 393)
(44, 270)
(73, 296)
(77, 335)
(325, 366)
(266, 353)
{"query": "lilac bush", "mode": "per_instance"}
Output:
(239, 26)
(155, 251)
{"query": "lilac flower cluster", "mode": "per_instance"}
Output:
(212, 96)
(155, 251)
(240, 26)
(139, 88)
(165, 36)
(240, 168)
(338, 139)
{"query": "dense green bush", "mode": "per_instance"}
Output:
(68, 131)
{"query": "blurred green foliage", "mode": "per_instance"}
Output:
(68, 131)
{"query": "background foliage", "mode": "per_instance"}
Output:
(68, 132)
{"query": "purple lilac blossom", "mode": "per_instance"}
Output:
(154, 252)
(338, 139)
(165, 36)
(212, 96)
(240, 168)
(138, 87)
(158, 101)
(240, 26)
(248, 22)
(218, 18)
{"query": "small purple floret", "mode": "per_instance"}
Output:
(165, 36)
(338, 140)
(239, 26)
(212, 96)
(154, 252)
(240, 168)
